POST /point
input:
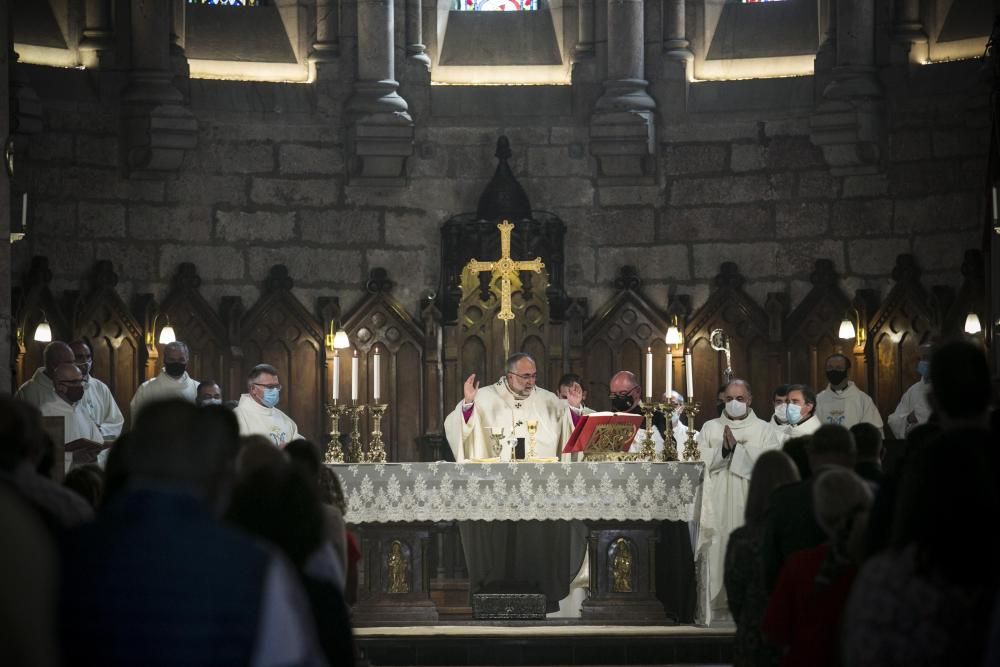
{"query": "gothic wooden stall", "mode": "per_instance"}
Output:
(278, 330)
(381, 321)
(34, 303)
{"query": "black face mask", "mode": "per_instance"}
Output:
(836, 377)
(175, 369)
(622, 403)
(74, 393)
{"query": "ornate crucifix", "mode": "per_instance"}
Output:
(506, 268)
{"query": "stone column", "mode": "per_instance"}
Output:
(585, 29)
(326, 47)
(847, 122)
(416, 51)
(381, 130)
(909, 41)
(96, 46)
(156, 127)
(622, 128)
(5, 209)
(675, 43)
(178, 39)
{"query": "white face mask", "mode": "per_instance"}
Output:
(210, 401)
(675, 417)
(781, 412)
(736, 409)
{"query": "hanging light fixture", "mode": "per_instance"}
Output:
(43, 332)
(972, 323)
(167, 334)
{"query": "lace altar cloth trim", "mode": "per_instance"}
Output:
(619, 491)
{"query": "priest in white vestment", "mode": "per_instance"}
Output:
(257, 413)
(729, 446)
(172, 382)
(79, 429)
(39, 390)
(799, 414)
(97, 398)
(914, 406)
(842, 403)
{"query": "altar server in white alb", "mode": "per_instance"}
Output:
(914, 407)
(38, 389)
(172, 382)
(257, 413)
(79, 430)
(842, 403)
(97, 398)
(729, 446)
(799, 413)
(510, 403)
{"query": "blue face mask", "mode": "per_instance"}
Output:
(794, 413)
(924, 368)
(270, 397)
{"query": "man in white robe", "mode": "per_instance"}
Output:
(39, 389)
(257, 413)
(97, 398)
(172, 382)
(729, 446)
(914, 407)
(779, 398)
(81, 434)
(842, 403)
(799, 414)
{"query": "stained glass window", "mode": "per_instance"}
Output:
(749, 2)
(229, 3)
(495, 5)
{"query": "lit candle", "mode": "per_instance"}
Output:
(688, 369)
(377, 389)
(670, 373)
(24, 209)
(354, 377)
(649, 373)
(336, 376)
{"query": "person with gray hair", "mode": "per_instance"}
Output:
(40, 389)
(804, 612)
(257, 411)
(172, 382)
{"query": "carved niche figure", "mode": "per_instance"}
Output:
(621, 566)
(397, 569)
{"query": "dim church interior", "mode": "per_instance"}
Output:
(263, 176)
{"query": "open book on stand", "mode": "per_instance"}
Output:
(606, 431)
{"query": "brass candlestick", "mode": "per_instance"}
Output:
(334, 452)
(532, 425)
(669, 441)
(355, 452)
(691, 453)
(376, 448)
(648, 450)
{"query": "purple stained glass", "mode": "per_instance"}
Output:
(496, 5)
(227, 3)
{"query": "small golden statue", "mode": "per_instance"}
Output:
(621, 566)
(397, 569)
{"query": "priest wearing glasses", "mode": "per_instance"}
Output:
(257, 411)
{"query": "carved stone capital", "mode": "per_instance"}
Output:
(379, 144)
(623, 143)
(156, 128)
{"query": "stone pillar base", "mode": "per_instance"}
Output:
(849, 133)
(624, 144)
(156, 128)
(379, 145)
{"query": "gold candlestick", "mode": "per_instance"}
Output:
(532, 425)
(648, 450)
(355, 452)
(669, 441)
(691, 453)
(376, 448)
(334, 452)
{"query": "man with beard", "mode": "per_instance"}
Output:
(81, 434)
(172, 382)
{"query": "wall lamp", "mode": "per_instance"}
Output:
(337, 340)
(167, 333)
(852, 329)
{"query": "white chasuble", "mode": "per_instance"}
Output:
(497, 406)
(272, 423)
(160, 388)
(77, 424)
(727, 484)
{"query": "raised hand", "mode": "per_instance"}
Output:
(574, 395)
(470, 388)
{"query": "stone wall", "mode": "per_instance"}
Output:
(737, 179)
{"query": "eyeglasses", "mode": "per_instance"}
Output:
(268, 386)
(624, 394)
(525, 376)
(75, 383)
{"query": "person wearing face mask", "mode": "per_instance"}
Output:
(780, 400)
(626, 396)
(914, 407)
(172, 382)
(729, 446)
(257, 413)
(82, 436)
(209, 393)
(842, 403)
(97, 398)
(38, 389)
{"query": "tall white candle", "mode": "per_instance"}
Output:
(24, 209)
(649, 373)
(354, 376)
(670, 373)
(689, 374)
(995, 209)
(335, 394)
(377, 367)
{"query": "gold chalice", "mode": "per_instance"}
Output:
(532, 425)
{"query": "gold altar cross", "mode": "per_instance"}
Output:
(506, 268)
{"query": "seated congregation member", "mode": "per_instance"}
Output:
(82, 437)
(868, 440)
(914, 407)
(88, 481)
(730, 446)
(208, 393)
(804, 611)
(926, 599)
(279, 504)
(791, 523)
(257, 410)
(345, 542)
(158, 580)
(842, 403)
(97, 398)
(961, 391)
(172, 382)
(744, 580)
(22, 447)
(796, 450)
(40, 388)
